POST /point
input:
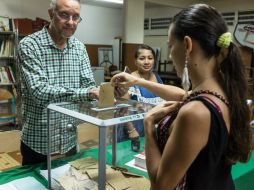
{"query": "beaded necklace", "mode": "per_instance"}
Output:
(196, 93)
(166, 122)
(170, 118)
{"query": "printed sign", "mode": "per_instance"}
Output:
(244, 34)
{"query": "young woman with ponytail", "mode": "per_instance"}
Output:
(200, 137)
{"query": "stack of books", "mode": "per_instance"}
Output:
(6, 75)
(6, 47)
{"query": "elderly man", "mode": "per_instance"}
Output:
(54, 67)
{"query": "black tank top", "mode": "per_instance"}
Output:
(209, 171)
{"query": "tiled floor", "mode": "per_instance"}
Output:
(10, 143)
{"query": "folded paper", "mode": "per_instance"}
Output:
(106, 95)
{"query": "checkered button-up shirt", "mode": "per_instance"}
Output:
(50, 75)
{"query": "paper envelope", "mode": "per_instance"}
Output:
(106, 95)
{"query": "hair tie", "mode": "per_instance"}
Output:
(224, 40)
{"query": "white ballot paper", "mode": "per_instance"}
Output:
(27, 183)
(56, 173)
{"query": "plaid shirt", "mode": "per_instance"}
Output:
(50, 75)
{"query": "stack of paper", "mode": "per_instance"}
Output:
(117, 178)
(27, 183)
(82, 174)
(67, 177)
(56, 173)
(140, 160)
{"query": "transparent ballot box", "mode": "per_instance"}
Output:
(122, 112)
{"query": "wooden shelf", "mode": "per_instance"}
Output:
(7, 33)
(6, 58)
(6, 84)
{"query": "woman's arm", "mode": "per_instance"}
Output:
(188, 137)
(167, 92)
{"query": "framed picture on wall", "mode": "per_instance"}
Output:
(5, 24)
(105, 58)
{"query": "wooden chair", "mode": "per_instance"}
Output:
(7, 106)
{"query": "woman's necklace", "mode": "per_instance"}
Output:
(197, 93)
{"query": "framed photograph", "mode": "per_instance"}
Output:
(5, 24)
(105, 56)
(105, 59)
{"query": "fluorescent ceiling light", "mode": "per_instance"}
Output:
(112, 1)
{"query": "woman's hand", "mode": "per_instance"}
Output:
(160, 111)
(94, 93)
(120, 91)
(123, 80)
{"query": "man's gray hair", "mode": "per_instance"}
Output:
(53, 4)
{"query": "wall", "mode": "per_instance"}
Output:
(25, 8)
(133, 21)
(158, 41)
(100, 25)
(153, 39)
(158, 38)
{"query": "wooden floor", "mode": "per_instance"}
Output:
(10, 143)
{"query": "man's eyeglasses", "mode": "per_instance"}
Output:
(66, 17)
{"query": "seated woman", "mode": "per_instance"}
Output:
(144, 60)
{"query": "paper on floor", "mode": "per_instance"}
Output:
(27, 183)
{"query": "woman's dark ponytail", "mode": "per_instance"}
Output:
(235, 85)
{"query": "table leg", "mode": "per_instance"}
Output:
(49, 152)
(114, 142)
(102, 159)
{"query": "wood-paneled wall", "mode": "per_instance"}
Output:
(128, 52)
(92, 50)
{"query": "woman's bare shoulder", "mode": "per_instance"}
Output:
(195, 114)
(193, 121)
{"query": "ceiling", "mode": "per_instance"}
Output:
(101, 3)
(148, 3)
(115, 5)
